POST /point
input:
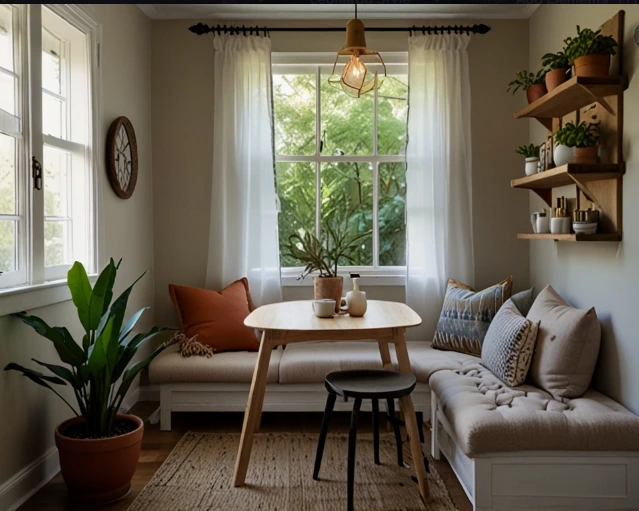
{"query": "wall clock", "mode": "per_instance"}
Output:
(122, 157)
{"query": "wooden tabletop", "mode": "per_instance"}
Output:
(299, 316)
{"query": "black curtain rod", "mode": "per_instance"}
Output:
(201, 29)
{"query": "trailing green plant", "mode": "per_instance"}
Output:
(94, 367)
(323, 254)
(589, 42)
(578, 135)
(557, 60)
(528, 151)
(525, 80)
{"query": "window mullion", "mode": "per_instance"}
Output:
(375, 185)
(318, 141)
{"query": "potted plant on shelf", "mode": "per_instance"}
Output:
(323, 255)
(582, 140)
(99, 447)
(590, 52)
(531, 153)
(532, 83)
(558, 66)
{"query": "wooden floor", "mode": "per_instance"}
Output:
(157, 445)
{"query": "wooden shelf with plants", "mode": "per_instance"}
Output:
(596, 185)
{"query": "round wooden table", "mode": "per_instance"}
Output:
(287, 322)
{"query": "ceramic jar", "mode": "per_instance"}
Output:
(563, 155)
(532, 166)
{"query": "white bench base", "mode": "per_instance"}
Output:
(232, 397)
(529, 481)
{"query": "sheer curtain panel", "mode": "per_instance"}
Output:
(243, 230)
(438, 173)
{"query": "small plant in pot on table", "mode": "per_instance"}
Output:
(531, 153)
(582, 138)
(323, 255)
(532, 83)
(558, 66)
(99, 448)
(590, 52)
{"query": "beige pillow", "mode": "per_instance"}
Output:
(567, 345)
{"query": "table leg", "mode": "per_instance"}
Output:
(409, 415)
(384, 351)
(253, 408)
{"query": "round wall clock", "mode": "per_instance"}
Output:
(122, 157)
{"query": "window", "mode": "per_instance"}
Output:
(340, 161)
(46, 224)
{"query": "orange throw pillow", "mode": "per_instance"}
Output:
(216, 317)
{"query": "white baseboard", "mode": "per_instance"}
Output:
(130, 400)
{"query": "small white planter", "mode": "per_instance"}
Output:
(532, 166)
(563, 155)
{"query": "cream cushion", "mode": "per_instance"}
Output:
(311, 362)
(228, 367)
(488, 417)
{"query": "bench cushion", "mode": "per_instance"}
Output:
(230, 367)
(311, 362)
(489, 417)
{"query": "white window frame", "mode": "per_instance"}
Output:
(45, 288)
(321, 64)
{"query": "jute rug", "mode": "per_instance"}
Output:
(197, 477)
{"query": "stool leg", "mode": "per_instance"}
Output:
(352, 440)
(376, 431)
(328, 411)
(398, 435)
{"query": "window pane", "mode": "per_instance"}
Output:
(294, 101)
(296, 190)
(8, 246)
(6, 37)
(51, 68)
(7, 175)
(53, 116)
(392, 112)
(347, 123)
(392, 220)
(347, 205)
(7, 93)
(56, 242)
(56, 182)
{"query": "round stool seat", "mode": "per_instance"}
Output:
(370, 384)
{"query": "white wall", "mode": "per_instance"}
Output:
(604, 275)
(29, 412)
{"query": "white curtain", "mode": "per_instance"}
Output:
(438, 173)
(243, 239)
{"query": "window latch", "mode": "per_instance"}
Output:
(36, 172)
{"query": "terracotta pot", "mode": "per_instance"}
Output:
(592, 65)
(555, 78)
(329, 287)
(99, 471)
(585, 155)
(534, 92)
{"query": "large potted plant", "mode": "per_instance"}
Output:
(558, 65)
(582, 138)
(99, 447)
(533, 84)
(531, 153)
(590, 52)
(322, 255)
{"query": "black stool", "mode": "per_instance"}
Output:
(363, 384)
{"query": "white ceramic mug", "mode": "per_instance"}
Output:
(324, 308)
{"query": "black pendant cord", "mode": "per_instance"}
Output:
(201, 29)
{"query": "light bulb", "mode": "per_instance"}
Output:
(354, 72)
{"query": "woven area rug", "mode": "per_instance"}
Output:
(197, 476)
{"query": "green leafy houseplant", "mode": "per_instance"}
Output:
(528, 151)
(557, 60)
(108, 346)
(578, 135)
(589, 42)
(525, 80)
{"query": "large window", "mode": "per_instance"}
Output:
(340, 161)
(47, 161)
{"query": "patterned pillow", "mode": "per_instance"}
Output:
(466, 315)
(509, 345)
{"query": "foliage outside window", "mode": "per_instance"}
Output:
(340, 161)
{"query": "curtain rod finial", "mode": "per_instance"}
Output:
(199, 29)
(481, 29)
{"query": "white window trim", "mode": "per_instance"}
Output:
(288, 62)
(31, 296)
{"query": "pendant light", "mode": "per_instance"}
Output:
(356, 79)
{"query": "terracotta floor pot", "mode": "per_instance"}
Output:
(586, 155)
(592, 65)
(99, 471)
(329, 287)
(534, 92)
(555, 78)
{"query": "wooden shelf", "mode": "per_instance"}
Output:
(572, 95)
(570, 237)
(569, 175)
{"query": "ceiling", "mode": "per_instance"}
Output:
(336, 11)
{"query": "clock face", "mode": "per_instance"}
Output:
(122, 157)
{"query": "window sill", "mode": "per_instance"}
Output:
(382, 279)
(18, 299)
